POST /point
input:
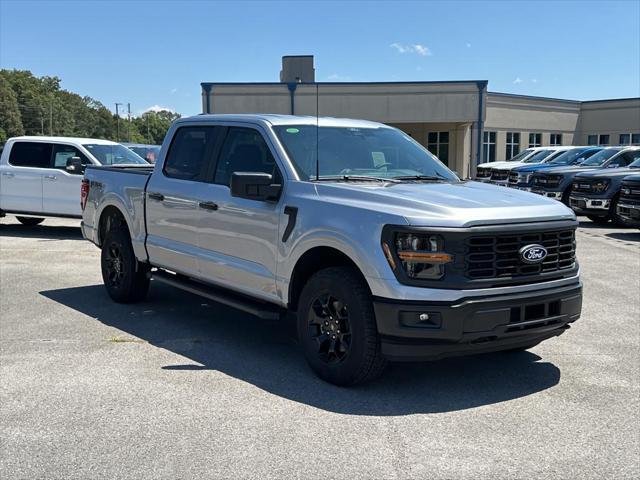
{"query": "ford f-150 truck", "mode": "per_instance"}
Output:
(380, 251)
(629, 202)
(596, 193)
(40, 176)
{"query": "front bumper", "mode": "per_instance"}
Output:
(595, 206)
(630, 213)
(432, 330)
(520, 186)
(544, 193)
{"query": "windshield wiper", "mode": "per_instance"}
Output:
(419, 177)
(353, 178)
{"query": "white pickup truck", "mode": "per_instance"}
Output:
(40, 176)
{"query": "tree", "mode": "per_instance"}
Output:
(10, 120)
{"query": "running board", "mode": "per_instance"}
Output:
(262, 310)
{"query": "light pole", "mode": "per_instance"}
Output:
(117, 122)
(129, 118)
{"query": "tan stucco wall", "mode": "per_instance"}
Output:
(610, 117)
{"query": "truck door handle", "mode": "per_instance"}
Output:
(50, 177)
(156, 196)
(208, 206)
(8, 174)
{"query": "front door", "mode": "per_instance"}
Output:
(173, 199)
(238, 240)
(21, 179)
(61, 189)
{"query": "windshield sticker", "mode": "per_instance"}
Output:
(292, 130)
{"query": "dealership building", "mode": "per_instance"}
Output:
(459, 121)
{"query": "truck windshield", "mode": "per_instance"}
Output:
(538, 156)
(600, 157)
(571, 156)
(114, 154)
(521, 156)
(358, 152)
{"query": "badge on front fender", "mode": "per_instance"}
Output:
(533, 253)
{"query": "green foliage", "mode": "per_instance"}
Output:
(31, 105)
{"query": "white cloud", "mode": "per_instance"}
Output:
(517, 80)
(412, 48)
(534, 80)
(156, 108)
(335, 77)
(173, 90)
(468, 45)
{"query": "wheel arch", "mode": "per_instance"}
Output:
(109, 216)
(312, 261)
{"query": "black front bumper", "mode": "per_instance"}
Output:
(474, 325)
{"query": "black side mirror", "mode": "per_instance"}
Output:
(74, 165)
(254, 186)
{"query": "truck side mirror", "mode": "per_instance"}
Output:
(254, 186)
(74, 165)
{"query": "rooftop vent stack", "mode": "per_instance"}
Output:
(297, 69)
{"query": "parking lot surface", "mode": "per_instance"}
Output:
(179, 387)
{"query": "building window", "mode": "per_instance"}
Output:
(438, 144)
(629, 139)
(489, 146)
(603, 140)
(513, 144)
(535, 140)
(592, 139)
(555, 139)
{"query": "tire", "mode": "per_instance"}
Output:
(565, 197)
(616, 219)
(337, 328)
(30, 221)
(598, 220)
(124, 277)
(521, 349)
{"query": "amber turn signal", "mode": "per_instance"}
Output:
(426, 257)
(387, 253)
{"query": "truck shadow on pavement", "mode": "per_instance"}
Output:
(44, 232)
(265, 354)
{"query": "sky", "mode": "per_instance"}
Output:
(156, 53)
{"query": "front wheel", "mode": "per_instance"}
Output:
(337, 328)
(124, 277)
(30, 221)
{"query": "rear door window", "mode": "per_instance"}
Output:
(191, 153)
(31, 154)
(244, 150)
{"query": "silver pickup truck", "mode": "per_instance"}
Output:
(381, 252)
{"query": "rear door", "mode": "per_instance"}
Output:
(61, 189)
(22, 177)
(173, 199)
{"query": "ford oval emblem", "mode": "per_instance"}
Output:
(533, 253)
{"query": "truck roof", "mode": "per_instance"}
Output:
(275, 119)
(37, 138)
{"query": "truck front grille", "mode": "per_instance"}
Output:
(497, 256)
(483, 173)
(513, 177)
(499, 175)
(581, 186)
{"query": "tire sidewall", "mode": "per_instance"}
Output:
(121, 239)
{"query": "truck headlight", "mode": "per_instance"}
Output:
(600, 186)
(524, 177)
(421, 256)
(554, 180)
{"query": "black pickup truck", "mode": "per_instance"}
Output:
(596, 194)
(557, 182)
(629, 202)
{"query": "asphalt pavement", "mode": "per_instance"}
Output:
(180, 387)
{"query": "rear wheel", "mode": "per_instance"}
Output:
(30, 221)
(337, 328)
(598, 220)
(124, 277)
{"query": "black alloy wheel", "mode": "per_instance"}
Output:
(329, 326)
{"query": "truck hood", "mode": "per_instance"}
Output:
(459, 204)
(609, 172)
(534, 167)
(574, 169)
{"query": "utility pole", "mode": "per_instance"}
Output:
(117, 122)
(51, 118)
(129, 117)
(41, 124)
(148, 134)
